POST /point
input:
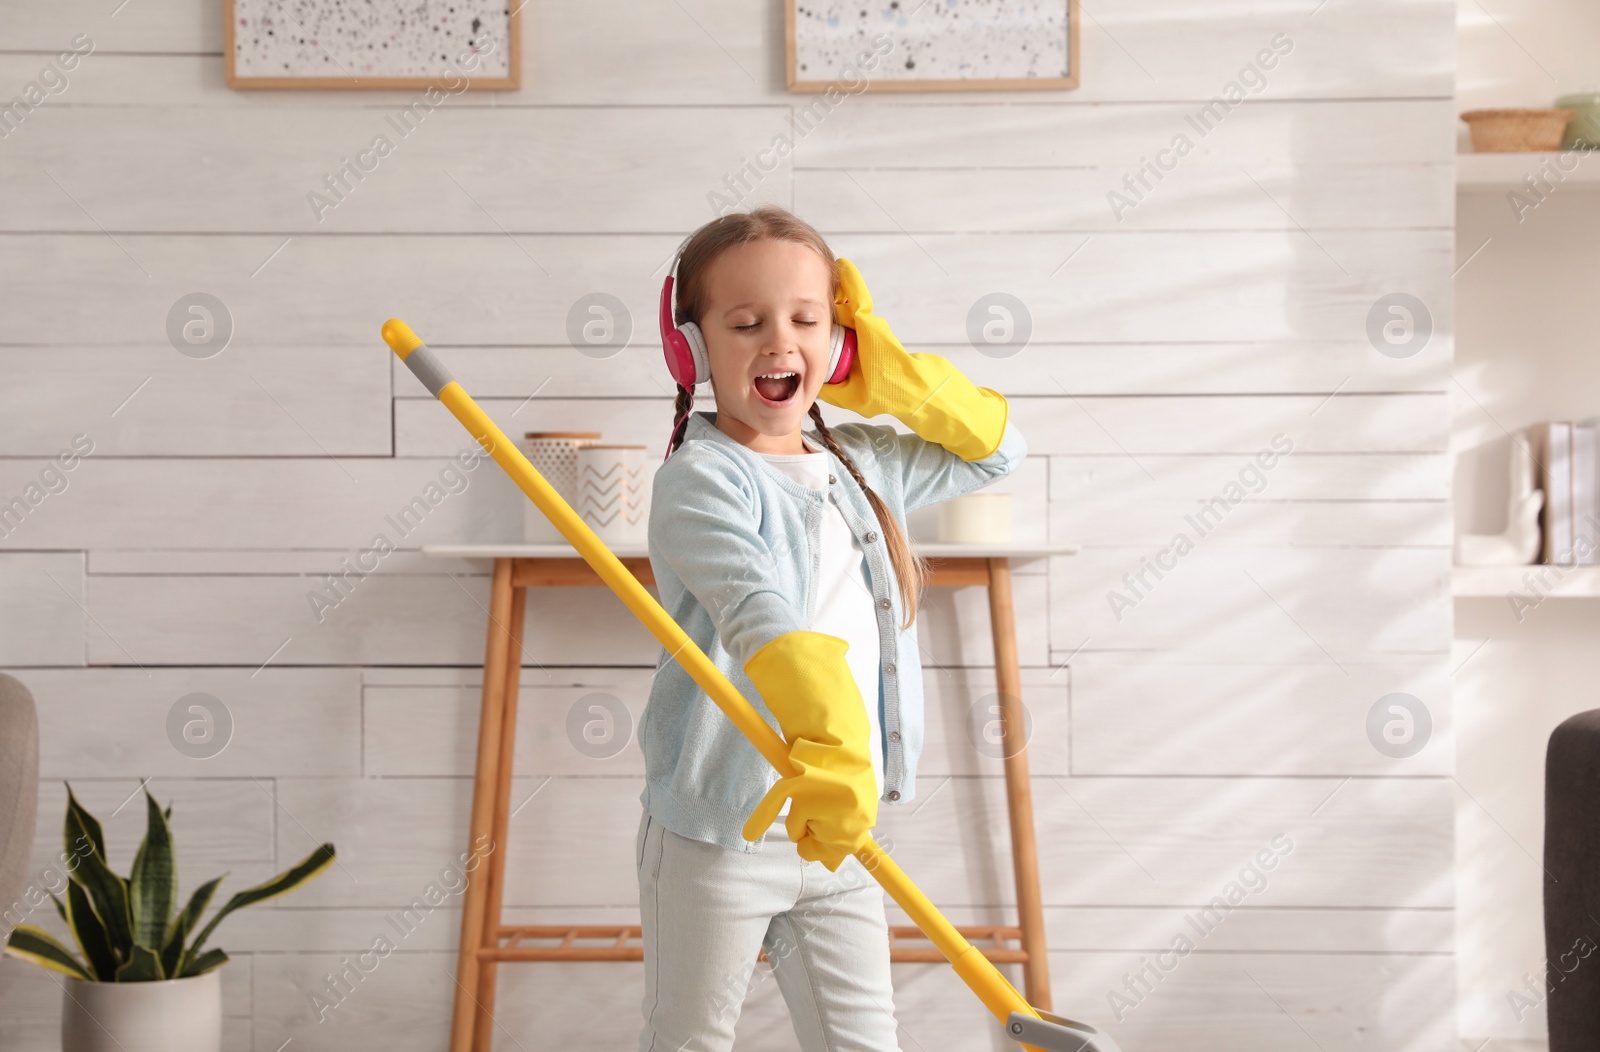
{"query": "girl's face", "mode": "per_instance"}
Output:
(767, 326)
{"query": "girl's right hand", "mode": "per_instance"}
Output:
(805, 681)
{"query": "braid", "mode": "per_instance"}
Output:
(680, 416)
(908, 568)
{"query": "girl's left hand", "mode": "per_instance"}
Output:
(923, 391)
(880, 357)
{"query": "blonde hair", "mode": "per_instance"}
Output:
(770, 222)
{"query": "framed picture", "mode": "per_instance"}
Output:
(931, 45)
(456, 46)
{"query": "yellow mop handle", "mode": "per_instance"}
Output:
(992, 988)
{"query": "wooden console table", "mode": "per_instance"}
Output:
(486, 941)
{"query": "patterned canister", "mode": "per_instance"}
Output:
(613, 491)
(555, 455)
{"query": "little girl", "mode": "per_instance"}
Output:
(783, 554)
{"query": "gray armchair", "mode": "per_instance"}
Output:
(19, 794)
(1572, 883)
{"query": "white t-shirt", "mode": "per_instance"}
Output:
(844, 605)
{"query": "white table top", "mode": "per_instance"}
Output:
(639, 551)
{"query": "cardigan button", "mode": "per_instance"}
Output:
(871, 538)
(894, 736)
(886, 604)
(832, 480)
(894, 794)
(889, 669)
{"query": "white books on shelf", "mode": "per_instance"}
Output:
(1552, 456)
(1584, 507)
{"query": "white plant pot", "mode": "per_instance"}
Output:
(175, 1015)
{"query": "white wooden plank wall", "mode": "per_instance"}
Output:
(1226, 708)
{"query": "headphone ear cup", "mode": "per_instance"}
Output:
(842, 355)
(697, 349)
(679, 352)
(680, 360)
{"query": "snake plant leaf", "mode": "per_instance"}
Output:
(172, 957)
(37, 945)
(198, 901)
(204, 963)
(77, 817)
(153, 881)
(142, 966)
(61, 907)
(108, 894)
(90, 934)
(288, 880)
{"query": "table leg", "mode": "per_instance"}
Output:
(485, 785)
(483, 1035)
(1019, 792)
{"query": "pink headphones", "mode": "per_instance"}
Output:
(685, 346)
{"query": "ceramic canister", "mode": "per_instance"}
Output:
(613, 491)
(977, 518)
(1583, 131)
(555, 455)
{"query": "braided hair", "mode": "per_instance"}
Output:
(680, 418)
(908, 567)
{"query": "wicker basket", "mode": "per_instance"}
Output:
(1517, 131)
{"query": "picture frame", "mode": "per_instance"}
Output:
(817, 61)
(244, 62)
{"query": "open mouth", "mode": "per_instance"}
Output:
(777, 388)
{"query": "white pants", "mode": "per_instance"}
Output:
(706, 910)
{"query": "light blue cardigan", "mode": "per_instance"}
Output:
(735, 548)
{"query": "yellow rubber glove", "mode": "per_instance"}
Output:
(923, 391)
(803, 678)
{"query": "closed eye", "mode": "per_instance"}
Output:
(756, 324)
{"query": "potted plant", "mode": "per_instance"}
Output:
(141, 984)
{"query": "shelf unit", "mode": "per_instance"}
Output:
(1506, 171)
(1497, 172)
(1498, 582)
